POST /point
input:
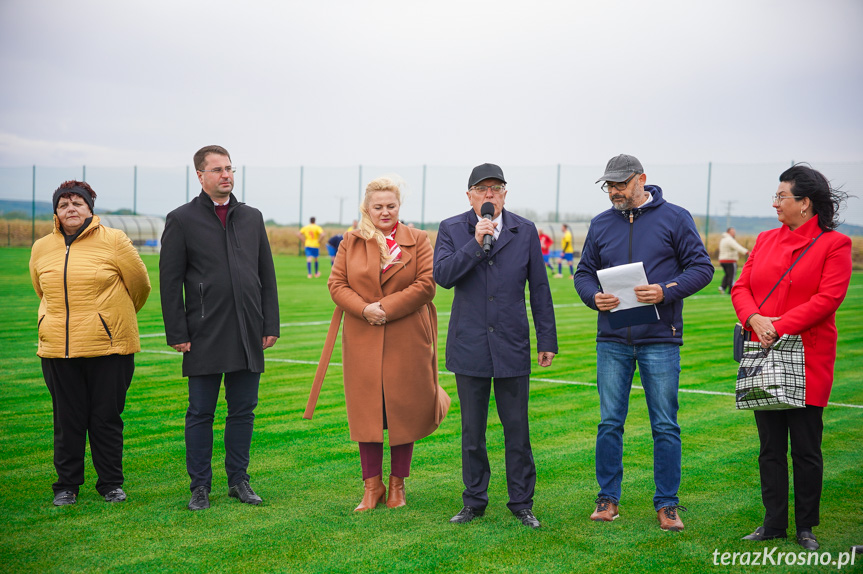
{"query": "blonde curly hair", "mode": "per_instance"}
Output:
(366, 228)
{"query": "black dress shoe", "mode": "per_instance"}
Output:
(64, 498)
(200, 498)
(243, 491)
(807, 540)
(116, 495)
(466, 514)
(527, 518)
(759, 535)
(857, 550)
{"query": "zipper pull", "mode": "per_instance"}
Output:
(630, 217)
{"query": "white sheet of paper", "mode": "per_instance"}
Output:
(621, 281)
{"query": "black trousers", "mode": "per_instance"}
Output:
(88, 396)
(511, 396)
(241, 394)
(805, 428)
(729, 277)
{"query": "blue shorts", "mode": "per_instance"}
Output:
(332, 250)
(312, 252)
(567, 256)
(546, 257)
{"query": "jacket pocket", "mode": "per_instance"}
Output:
(107, 330)
(201, 292)
(39, 327)
(236, 237)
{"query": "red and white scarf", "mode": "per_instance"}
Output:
(395, 250)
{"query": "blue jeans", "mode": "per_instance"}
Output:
(659, 366)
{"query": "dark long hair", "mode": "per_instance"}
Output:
(826, 200)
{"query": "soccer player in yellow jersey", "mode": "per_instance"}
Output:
(566, 251)
(312, 234)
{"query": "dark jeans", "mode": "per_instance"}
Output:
(88, 396)
(805, 428)
(511, 396)
(730, 270)
(241, 394)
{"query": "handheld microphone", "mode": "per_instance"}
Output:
(487, 212)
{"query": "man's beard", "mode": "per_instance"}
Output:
(627, 204)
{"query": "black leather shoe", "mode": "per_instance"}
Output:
(200, 498)
(116, 495)
(244, 492)
(807, 540)
(527, 518)
(466, 514)
(64, 498)
(760, 536)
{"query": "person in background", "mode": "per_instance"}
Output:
(383, 282)
(729, 251)
(489, 336)
(566, 251)
(91, 284)
(353, 226)
(221, 310)
(333, 247)
(312, 234)
(641, 226)
(805, 304)
(545, 243)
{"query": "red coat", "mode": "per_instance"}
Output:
(806, 300)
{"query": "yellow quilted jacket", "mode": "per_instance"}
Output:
(90, 293)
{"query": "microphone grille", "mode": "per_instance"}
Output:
(487, 209)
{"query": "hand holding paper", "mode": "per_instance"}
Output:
(628, 283)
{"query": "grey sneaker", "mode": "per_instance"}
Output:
(116, 495)
(64, 498)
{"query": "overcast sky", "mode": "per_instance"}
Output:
(337, 83)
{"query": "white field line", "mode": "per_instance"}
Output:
(533, 379)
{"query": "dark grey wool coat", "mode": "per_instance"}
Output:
(229, 282)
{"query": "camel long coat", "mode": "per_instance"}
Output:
(390, 367)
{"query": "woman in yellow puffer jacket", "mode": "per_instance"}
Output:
(92, 283)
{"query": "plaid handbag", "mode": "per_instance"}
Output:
(773, 378)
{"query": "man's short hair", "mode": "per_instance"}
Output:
(200, 159)
(311, 220)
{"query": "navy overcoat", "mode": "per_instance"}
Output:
(488, 334)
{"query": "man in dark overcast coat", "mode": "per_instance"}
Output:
(489, 336)
(215, 251)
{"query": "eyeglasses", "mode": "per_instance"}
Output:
(483, 189)
(619, 186)
(778, 198)
(219, 170)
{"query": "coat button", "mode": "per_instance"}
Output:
(491, 329)
(479, 253)
(491, 262)
(491, 297)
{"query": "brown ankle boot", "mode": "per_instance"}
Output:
(396, 497)
(374, 494)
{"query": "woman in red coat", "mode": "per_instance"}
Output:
(804, 304)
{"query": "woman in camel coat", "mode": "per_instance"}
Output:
(382, 280)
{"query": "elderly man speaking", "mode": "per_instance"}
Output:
(640, 227)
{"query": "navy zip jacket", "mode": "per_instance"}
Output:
(663, 237)
(488, 334)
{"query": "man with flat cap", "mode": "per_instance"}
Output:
(488, 254)
(640, 227)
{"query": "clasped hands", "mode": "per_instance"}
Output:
(375, 314)
(763, 327)
(650, 294)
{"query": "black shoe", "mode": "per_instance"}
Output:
(527, 518)
(64, 498)
(807, 540)
(116, 495)
(200, 498)
(466, 514)
(857, 550)
(759, 535)
(244, 492)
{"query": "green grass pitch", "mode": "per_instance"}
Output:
(308, 471)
